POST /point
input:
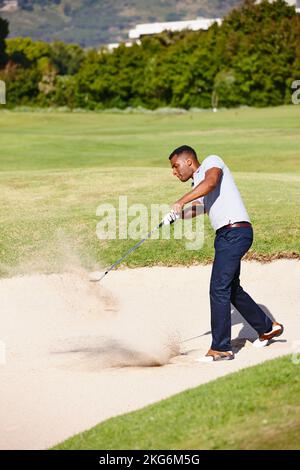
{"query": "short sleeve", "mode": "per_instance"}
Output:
(213, 161)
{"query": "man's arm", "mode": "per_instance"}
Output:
(211, 180)
(195, 209)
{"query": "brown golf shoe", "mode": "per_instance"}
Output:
(277, 330)
(220, 355)
(264, 339)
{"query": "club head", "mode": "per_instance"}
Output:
(96, 276)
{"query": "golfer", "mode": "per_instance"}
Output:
(214, 188)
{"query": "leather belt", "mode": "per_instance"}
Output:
(236, 224)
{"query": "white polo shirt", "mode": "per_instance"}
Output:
(224, 205)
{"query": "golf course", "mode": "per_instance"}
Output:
(105, 366)
(56, 168)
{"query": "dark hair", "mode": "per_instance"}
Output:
(183, 149)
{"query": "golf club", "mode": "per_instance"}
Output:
(96, 277)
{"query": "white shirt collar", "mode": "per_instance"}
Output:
(195, 172)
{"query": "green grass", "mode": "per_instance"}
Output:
(56, 168)
(256, 408)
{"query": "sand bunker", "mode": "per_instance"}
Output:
(73, 353)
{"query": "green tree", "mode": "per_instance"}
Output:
(251, 59)
(223, 90)
(259, 43)
(67, 58)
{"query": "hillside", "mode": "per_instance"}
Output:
(93, 22)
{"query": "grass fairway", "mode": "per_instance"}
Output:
(256, 408)
(56, 168)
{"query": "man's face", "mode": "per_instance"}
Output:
(182, 166)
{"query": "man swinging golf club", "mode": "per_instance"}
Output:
(214, 187)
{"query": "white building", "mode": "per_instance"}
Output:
(115, 45)
(156, 28)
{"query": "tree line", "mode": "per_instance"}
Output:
(251, 59)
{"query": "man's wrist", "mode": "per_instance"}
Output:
(182, 202)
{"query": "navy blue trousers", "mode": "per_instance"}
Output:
(230, 246)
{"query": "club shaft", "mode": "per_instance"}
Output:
(131, 250)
